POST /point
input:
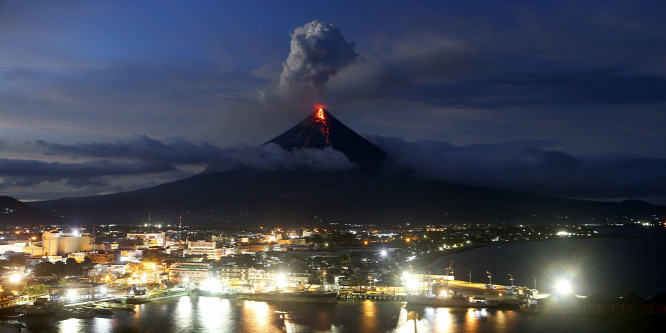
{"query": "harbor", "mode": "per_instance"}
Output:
(220, 314)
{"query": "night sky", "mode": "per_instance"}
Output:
(562, 98)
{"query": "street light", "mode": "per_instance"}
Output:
(511, 278)
(563, 287)
(15, 278)
(490, 278)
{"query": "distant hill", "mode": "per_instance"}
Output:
(14, 212)
(374, 193)
(304, 196)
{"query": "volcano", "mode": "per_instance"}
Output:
(321, 130)
(299, 196)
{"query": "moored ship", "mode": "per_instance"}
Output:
(456, 301)
(300, 297)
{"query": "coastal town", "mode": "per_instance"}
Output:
(57, 272)
(70, 264)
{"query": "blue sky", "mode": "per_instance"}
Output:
(574, 88)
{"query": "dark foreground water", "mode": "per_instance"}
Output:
(612, 266)
(209, 314)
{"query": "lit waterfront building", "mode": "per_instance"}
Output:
(57, 243)
(251, 279)
(189, 272)
(77, 292)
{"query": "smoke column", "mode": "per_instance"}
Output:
(318, 51)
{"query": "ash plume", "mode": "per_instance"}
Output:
(318, 51)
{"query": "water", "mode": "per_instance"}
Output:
(209, 314)
(610, 266)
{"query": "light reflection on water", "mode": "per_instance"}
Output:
(209, 314)
(182, 317)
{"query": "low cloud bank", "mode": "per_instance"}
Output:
(533, 167)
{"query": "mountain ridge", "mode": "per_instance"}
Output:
(376, 193)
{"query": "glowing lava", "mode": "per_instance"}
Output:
(323, 124)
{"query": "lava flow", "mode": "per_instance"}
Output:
(323, 123)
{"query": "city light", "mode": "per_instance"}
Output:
(15, 278)
(71, 294)
(384, 253)
(281, 280)
(410, 282)
(211, 285)
(563, 287)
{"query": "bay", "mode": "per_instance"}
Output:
(610, 266)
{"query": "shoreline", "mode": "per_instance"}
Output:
(429, 259)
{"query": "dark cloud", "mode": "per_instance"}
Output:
(533, 167)
(414, 61)
(592, 87)
(178, 151)
(101, 165)
(141, 147)
(33, 172)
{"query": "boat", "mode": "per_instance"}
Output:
(63, 313)
(37, 308)
(299, 297)
(117, 306)
(454, 301)
(18, 324)
(82, 313)
(532, 306)
(102, 311)
(223, 294)
(138, 299)
(159, 295)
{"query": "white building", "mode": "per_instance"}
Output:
(203, 248)
(189, 272)
(11, 246)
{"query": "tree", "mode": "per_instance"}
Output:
(59, 268)
(34, 290)
(17, 261)
(62, 282)
(87, 264)
(44, 268)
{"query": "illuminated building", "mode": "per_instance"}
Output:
(203, 248)
(150, 239)
(33, 250)
(56, 243)
(193, 272)
(11, 246)
(77, 292)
